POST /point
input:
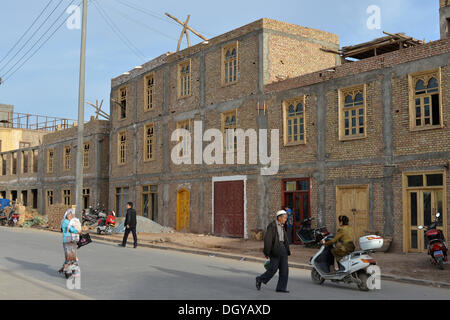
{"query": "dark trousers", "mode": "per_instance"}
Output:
(278, 263)
(127, 232)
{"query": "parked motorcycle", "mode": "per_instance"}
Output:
(311, 237)
(106, 224)
(89, 218)
(354, 268)
(437, 247)
(13, 219)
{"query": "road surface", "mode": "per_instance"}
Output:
(29, 260)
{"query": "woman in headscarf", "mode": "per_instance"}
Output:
(69, 245)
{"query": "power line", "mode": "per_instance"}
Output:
(29, 39)
(143, 24)
(42, 44)
(26, 31)
(118, 33)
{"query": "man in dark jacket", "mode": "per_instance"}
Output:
(130, 225)
(276, 246)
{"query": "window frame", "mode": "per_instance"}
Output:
(69, 196)
(225, 48)
(146, 92)
(48, 197)
(65, 161)
(50, 169)
(285, 105)
(120, 99)
(341, 118)
(88, 156)
(223, 118)
(187, 62)
(146, 127)
(182, 125)
(119, 143)
(412, 80)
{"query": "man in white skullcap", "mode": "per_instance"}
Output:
(276, 247)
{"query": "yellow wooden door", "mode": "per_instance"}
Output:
(353, 202)
(183, 204)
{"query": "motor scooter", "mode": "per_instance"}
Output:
(13, 219)
(354, 268)
(437, 247)
(106, 224)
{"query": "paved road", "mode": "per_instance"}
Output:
(112, 272)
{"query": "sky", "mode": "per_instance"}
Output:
(48, 83)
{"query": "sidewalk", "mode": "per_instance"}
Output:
(412, 268)
(16, 286)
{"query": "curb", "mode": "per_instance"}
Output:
(291, 265)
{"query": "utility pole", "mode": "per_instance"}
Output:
(79, 157)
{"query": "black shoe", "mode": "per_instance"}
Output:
(121, 245)
(258, 284)
(283, 291)
(135, 246)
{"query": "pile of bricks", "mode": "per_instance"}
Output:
(55, 214)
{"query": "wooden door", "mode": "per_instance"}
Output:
(183, 205)
(229, 208)
(353, 202)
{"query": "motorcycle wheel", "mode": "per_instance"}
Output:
(440, 263)
(99, 231)
(108, 231)
(316, 278)
(363, 285)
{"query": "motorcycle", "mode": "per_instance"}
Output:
(437, 247)
(311, 237)
(90, 218)
(13, 219)
(106, 224)
(353, 268)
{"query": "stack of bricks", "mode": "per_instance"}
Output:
(55, 214)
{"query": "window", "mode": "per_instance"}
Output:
(86, 152)
(352, 113)
(122, 148)
(14, 163)
(425, 104)
(186, 125)
(86, 198)
(123, 103)
(230, 64)
(3, 159)
(150, 202)
(35, 160)
(66, 197)
(50, 160)
(24, 161)
(149, 142)
(67, 157)
(294, 121)
(23, 145)
(149, 91)
(122, 197)
(229, 120)
(184, 79)
(50, 199)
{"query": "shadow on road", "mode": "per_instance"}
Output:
(35, 266)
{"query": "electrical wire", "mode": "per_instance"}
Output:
(42, 44)
(34, 33)
(119, 34)
(142, 24)
(26, 31)
(40, 38)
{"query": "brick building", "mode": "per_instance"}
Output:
(366, 138)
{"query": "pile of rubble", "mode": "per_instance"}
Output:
(55, 214)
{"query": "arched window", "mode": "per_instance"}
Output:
(230, 67)
(426, 111)
(353, 113)
(185, 79)
(294, 125)
(150, 82)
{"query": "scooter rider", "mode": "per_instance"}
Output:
(343, 240)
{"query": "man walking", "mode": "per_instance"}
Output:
(276, 246)
(130, 225)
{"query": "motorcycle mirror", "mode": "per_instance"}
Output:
(438, 215)
(420, 227)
